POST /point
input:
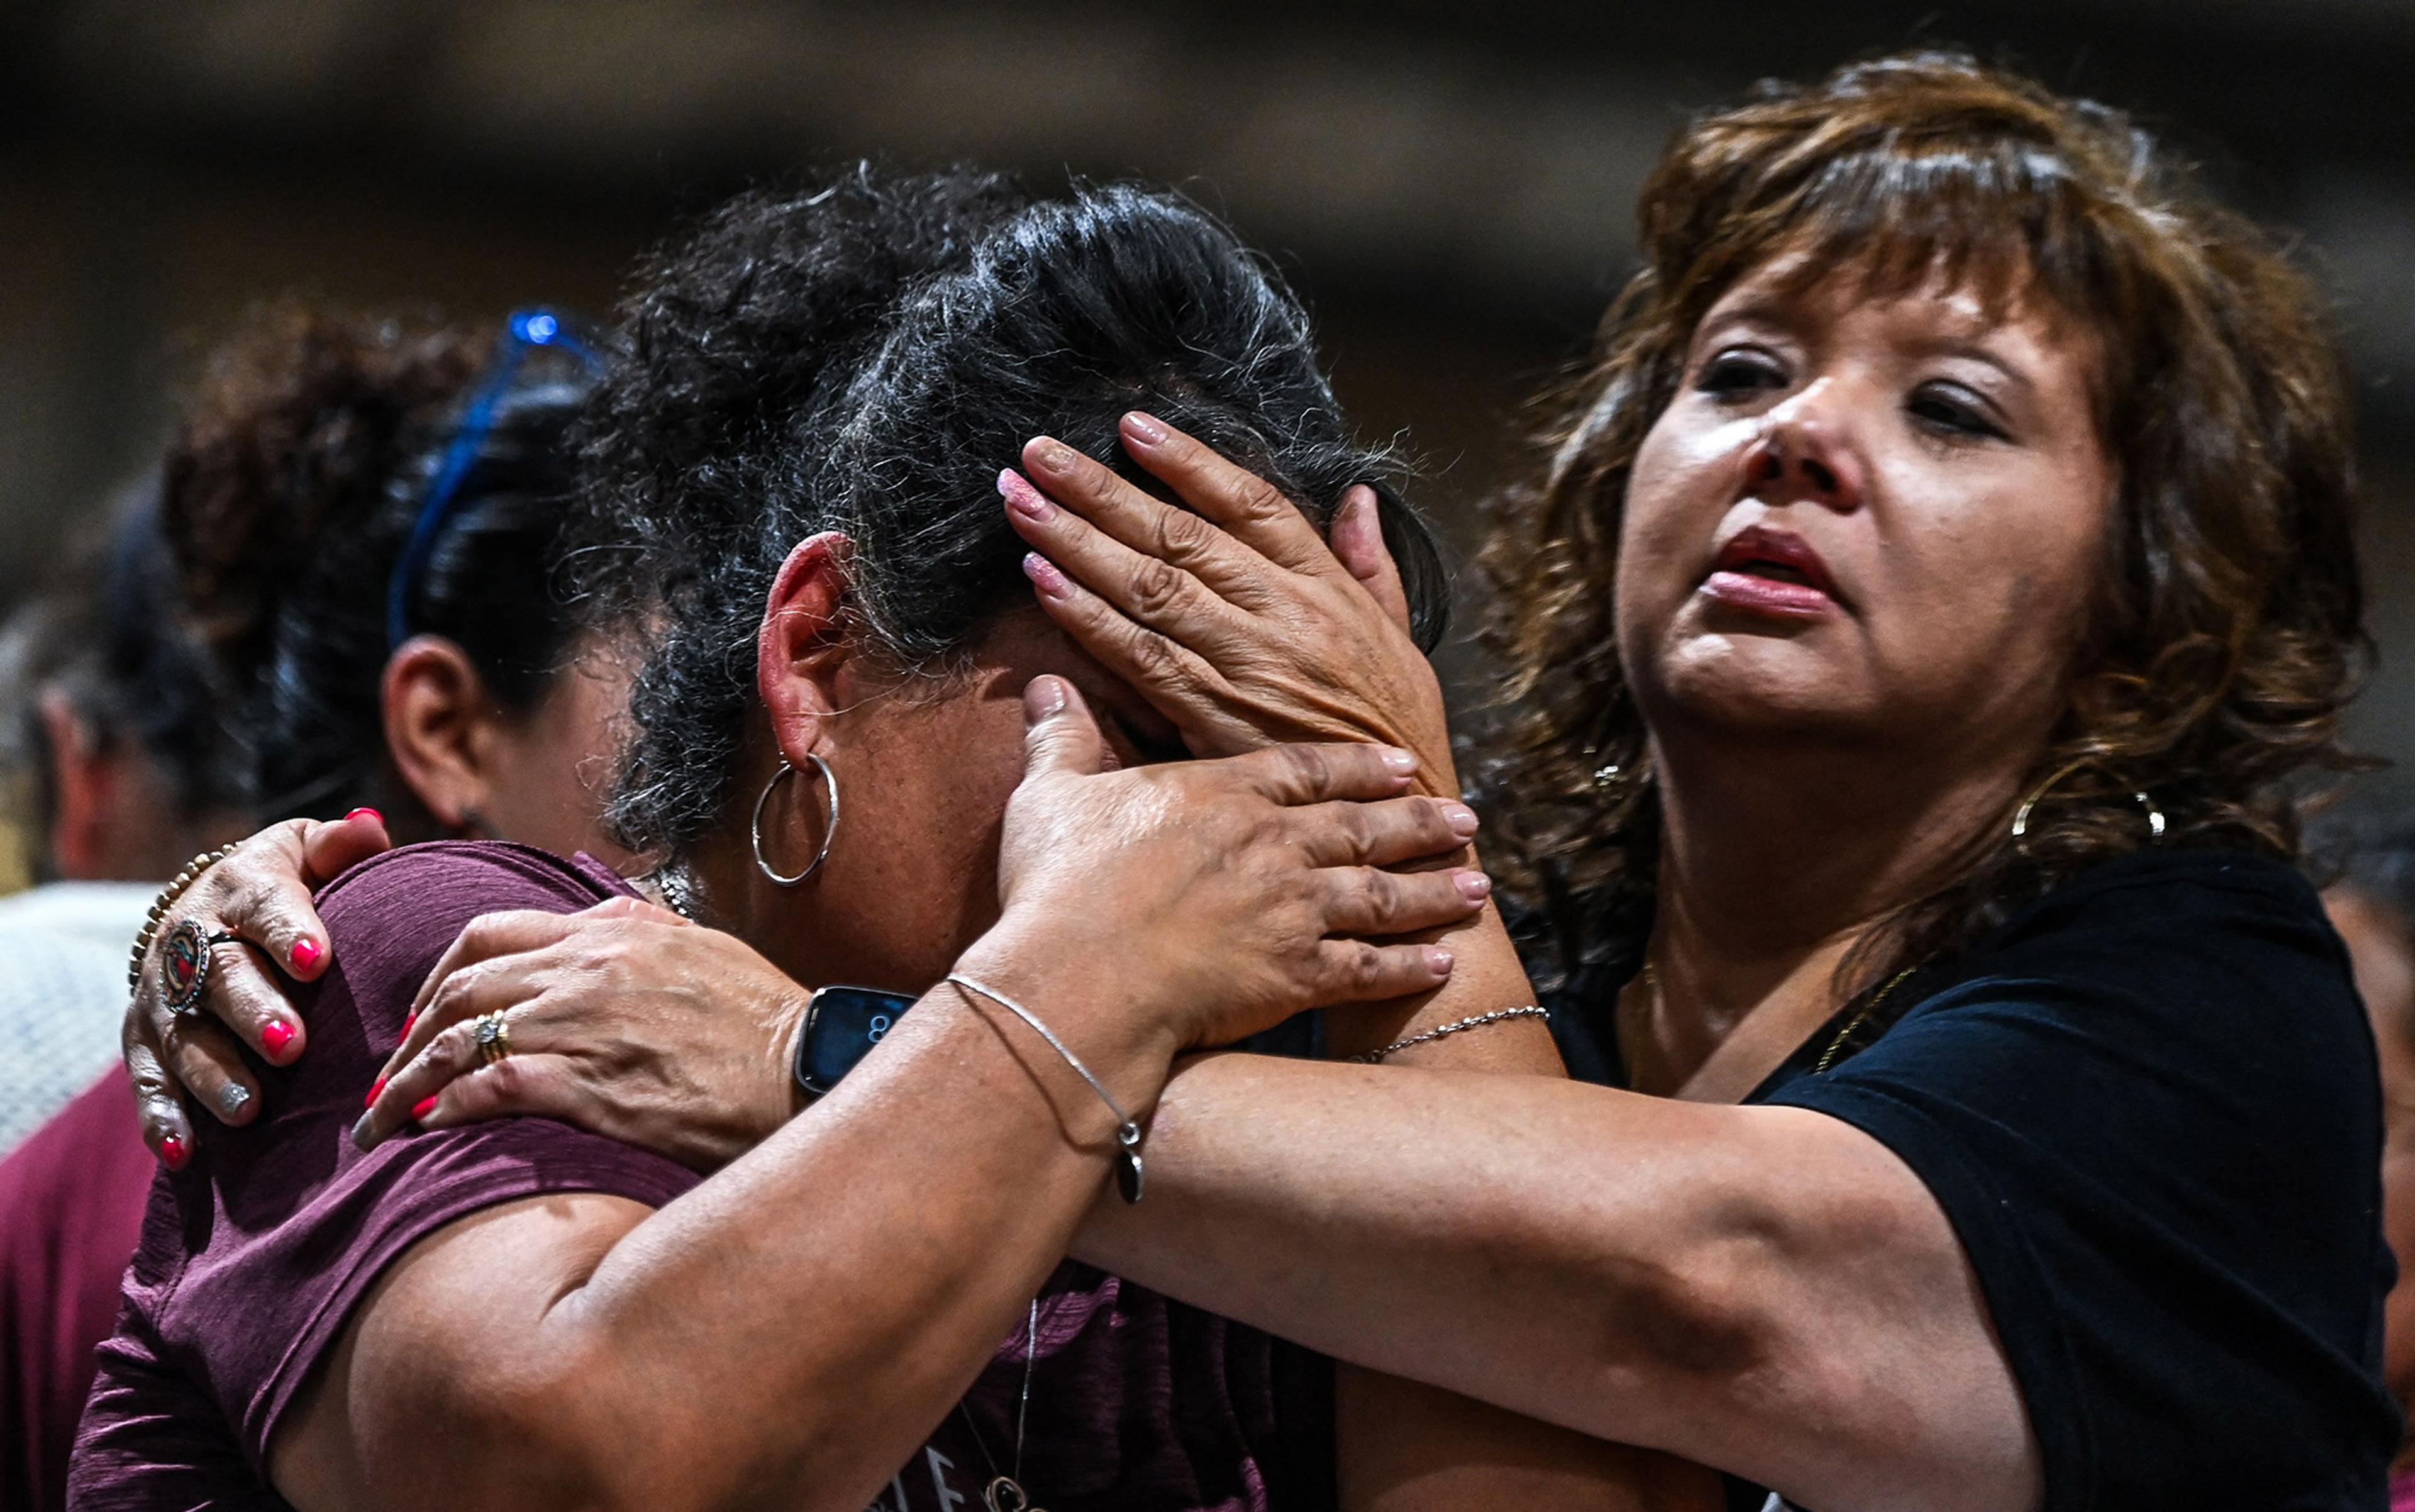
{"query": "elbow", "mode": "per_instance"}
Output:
(1737, 1293)
(593, 1437)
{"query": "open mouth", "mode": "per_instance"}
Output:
(1774, 572)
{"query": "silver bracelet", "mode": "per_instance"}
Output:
(1496, 1016)
(1128, 1166)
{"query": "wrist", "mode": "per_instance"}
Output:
(786, 1096)
(1093, 1010)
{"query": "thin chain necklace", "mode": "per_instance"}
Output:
(1005, 1492)
(1828, 1057)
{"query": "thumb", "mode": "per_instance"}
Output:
(1058, 734)
(1357, 539)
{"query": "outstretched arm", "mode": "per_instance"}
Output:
(1763, 1289)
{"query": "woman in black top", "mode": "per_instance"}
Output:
(1936, 579)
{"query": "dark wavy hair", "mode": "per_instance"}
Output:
(2226, 636)
(298, 470)
(865, 359)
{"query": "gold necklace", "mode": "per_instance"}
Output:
(1828, 1057)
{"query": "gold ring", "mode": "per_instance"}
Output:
(492, 1037)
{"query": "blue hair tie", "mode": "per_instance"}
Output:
(525, 330)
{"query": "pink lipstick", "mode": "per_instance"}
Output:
(1764, 570)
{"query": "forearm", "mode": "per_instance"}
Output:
(1487, 978)
(799, 1322)
(1728, 1284)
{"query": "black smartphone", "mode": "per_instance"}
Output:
(842, 1025)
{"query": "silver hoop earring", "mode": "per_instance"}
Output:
(762, 862)
(2146, 805)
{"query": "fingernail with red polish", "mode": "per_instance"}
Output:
(375, 1087)
(407, 1024)
(274, 1036)
(1046, 577)
(422, 1108)
(172, 1151)
(1144, 428)
(305, 954)
(365, 814)
(1021, 497)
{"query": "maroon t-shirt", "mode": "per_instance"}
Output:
(253, 1257)
(72, 1201)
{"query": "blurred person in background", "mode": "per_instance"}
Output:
(2365, 852)
(117, 747)
(306, 459)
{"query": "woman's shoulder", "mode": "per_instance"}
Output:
(408, 898)
(2191, 910)
(446, 869)
(2192, 951)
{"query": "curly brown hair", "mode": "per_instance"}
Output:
(2225, 637)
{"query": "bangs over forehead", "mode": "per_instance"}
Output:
(1904, 180)
(2226, 636)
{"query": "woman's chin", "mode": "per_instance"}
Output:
(1758, 687)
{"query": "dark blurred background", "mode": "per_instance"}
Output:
(1449, 184)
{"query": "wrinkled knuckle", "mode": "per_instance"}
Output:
(1263, 502)
(508, 1079)
(1363, 966)
(1179, 535)
(1152, 657)
(1357, 831)
(1157, 586)
(1315, 767)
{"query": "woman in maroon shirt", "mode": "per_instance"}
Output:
(586, 1325)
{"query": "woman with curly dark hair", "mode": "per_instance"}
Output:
(1932, 591)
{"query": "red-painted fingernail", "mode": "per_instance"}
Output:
(422, 1108)
(1052, 456)
(305, 954)
(365, 814)
(172, 1150)
(375, 1087)
(1021, 497)
(276, 1035)
(1046, 577)
(407, 1024)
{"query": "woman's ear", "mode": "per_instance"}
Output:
(440, 725)
(800, 649)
